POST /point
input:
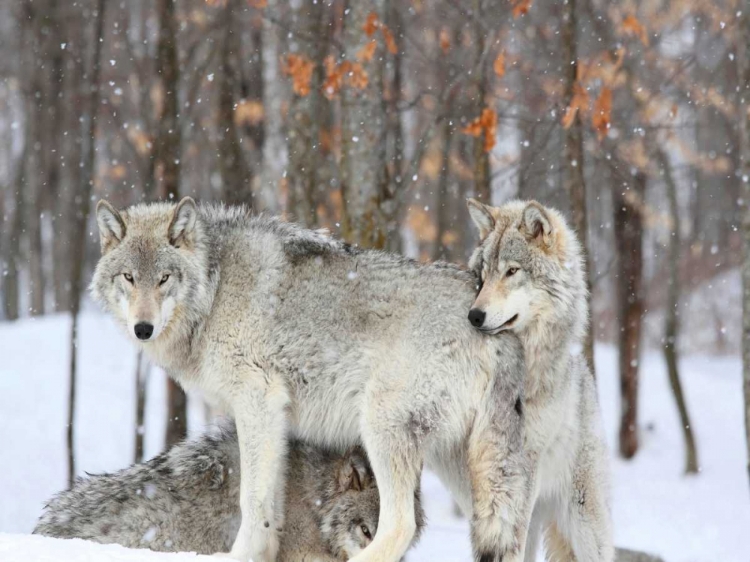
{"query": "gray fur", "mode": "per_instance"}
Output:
(298, 334)
(187, 499)
(531, 271)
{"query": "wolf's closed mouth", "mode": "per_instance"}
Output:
(509, 323)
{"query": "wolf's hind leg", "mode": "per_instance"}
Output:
(259, 410)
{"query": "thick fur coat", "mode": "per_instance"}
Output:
(300, 335)
(530, 266)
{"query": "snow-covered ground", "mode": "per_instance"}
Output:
(657, 509)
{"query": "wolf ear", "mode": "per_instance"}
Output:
(182, 227)
(111, 226)
(535, 224)
(481, 214)
(353, 474)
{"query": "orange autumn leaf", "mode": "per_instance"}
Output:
(249, 112)
(334, 76)
(485, 124)
(445, 41)
(357, 76)
(489, 119)
(632, 26)
(390, 41)
(602, 113)
(353, 73)
(499, 65)
(474, 128)
(520, 7)
(366, 53)
(300, 68)
(579, 102)
(371, 25)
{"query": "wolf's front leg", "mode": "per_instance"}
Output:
(259, 411)
(502, 509)
(396, 462)
(502, 481)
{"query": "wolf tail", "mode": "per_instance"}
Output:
(182, 499)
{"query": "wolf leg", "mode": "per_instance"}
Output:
(535, 531)
(396, 461)
(259, 410)
(556, 546)
(502, 478)
(584, 519)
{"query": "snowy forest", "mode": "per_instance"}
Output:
(376, 120)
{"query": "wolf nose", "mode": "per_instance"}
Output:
(143, 330)
(476, 317)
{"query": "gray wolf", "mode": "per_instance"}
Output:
(530, 267)
(187, 499)
(296, 334)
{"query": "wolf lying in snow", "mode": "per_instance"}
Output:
(296, 334)
(187, 499)
(532, 284)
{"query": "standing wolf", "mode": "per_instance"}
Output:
(532, 284)
(298, 334)
(187, 499)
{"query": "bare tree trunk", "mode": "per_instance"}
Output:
(306, 159)
(142, 372)
(743, 60)
(74, 98)
(482, 172)
(395, 161)
(54, 193)
(168, 158)
(363, 150)
(574, 182)
(628, 227)
(34, 31)
(176, 414)
(445, 205)
(236, 176)
(168, 141)
(12, 246)
(672, 316)
(80, 216)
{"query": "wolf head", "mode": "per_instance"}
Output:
(530, 269)
(153, 263)
(349, 519)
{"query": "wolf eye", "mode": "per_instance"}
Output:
(128, 277)
(512, 271)
(164, 279)
(366, 532)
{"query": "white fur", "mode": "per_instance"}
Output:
(563, 432)
(270, 323)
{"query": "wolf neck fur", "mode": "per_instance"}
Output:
(549, 341)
